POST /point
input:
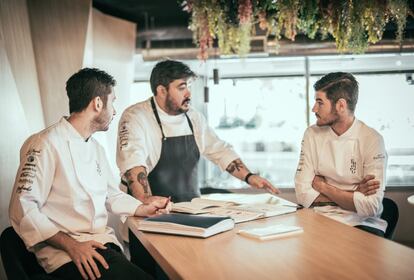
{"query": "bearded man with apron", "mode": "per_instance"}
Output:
(159, 145)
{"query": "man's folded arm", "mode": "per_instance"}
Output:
(305, 173)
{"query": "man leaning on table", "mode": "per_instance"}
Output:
(160, 142)
(64, 190)
(341, 170)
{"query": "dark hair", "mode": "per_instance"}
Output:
(167, 71)
(87, 84)
(339, 85)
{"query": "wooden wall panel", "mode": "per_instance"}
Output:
(58, 32)
(18, 46)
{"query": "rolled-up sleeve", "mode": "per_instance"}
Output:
(132, 148)
(32, 186)
(118, 202)
(211, 146)
(375, 162)
(305, 172)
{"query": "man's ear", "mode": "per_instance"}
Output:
(161, 90)
(97, 104)
(341, 105)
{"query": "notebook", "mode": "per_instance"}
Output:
(184, 224)
(270, 232)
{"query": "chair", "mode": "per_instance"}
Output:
(390, 214)
(17, 261)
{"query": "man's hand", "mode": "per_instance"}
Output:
(261, 183)
(368, 185)
(83, 255)
(154, 205)
(318, 182)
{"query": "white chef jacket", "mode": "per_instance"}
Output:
(64, 183)
(344, 161)
(139, 137)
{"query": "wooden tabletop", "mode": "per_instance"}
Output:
(325, 250)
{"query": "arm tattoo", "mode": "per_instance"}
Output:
(235, 164)
(143, 180)
(129, 178)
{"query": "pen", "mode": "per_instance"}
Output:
(295, 206)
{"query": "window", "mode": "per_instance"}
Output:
(264, 119)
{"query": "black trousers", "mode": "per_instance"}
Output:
(119, 267)
(141, 258)
(371, 230)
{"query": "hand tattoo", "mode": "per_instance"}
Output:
(235, 164)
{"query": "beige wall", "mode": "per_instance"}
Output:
(113, 50)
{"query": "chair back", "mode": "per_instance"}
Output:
(18, 262)
(391, 215)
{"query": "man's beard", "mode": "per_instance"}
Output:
(173, 109)
(333, 118)
(101, 122)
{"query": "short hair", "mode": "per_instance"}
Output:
(167, 71)
(87, 84)
(339, 85)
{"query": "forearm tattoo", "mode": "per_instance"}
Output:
(236, 164)
(143, 180)
(129, 178)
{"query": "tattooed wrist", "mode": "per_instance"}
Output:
(236, 164)
(143, 180)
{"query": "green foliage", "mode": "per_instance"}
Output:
(354, 24)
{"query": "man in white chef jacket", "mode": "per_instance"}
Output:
(64, 189)
(341, 171)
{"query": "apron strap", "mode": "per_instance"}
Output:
(189, 123)
(154, 109)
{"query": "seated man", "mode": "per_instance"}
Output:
(64, 188)
(342, 162)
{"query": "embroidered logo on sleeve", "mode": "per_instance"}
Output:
(28, 171)
(301, 161)
(123, 135)
(353, 166)
(98, 168)
(379, 156)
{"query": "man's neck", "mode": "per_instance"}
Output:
(343, 124)
(81, 125)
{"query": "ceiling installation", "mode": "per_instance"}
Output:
(163, 27)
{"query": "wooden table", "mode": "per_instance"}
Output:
(325, 250)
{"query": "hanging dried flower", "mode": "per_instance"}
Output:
(352, 23)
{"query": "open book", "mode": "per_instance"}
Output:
(271, 232)
(240, 207)
(189, 225)
(200, 205)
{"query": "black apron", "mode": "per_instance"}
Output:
(175, 174)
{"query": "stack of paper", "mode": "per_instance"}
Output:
(240, 207)
(271, 232)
